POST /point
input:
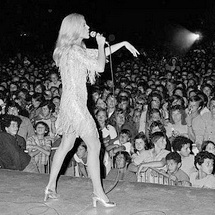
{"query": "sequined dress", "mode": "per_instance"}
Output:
(77, 65)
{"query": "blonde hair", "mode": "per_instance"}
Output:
(69, 33)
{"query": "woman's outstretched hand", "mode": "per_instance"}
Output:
(132, 49)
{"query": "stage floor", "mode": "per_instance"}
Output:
(23, 193)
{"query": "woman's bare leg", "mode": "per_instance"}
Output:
(93, 163)
(66, 145)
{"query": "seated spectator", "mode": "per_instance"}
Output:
(121, 162)
(153, 157)
(173, 163)
(12, 146)
(183, 146)
(203, 178)
(26, 128)
(39, 146)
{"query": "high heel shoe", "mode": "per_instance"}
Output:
(50, 194)
(103, 202)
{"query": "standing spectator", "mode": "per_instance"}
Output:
(177, 123)
(209, 121)
(108, 135)
(111, 104)
(39, 146)
(35, 109)
(195, 121)
(47, 108)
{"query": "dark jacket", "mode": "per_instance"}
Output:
(12, 155)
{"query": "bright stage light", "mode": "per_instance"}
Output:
(195, 36)
(183, 39)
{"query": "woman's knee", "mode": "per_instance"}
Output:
(93, 144)
(67, 142)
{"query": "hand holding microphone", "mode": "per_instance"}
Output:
(99, 37)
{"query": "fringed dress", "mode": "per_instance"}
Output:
(77, 65)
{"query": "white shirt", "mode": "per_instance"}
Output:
(187, 164)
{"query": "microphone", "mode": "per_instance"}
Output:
(93, 35)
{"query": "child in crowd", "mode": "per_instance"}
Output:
(173, 163)
(182, 145)
(78, 163)
(121, 161)
(203, 178)
(140, 144)
(39, 145)
(122, 144)
(55, 82)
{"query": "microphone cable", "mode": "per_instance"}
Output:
(112, 77)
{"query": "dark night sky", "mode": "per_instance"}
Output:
(143, 21)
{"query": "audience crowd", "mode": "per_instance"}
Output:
(158, 112)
